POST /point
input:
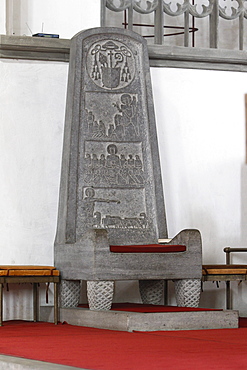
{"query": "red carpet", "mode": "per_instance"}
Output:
(110, 350)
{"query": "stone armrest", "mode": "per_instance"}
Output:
(191, 238)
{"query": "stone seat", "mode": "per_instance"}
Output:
(20, 274)
(111, 212)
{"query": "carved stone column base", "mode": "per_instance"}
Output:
(100, 294)
(188, 292)
(151, 291)
(70, 293)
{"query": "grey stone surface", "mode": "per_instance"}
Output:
(151, 291)
(100, 294)
(113, 175)
(187, 292)
(130, 321)
(17, 363)
(91, 259)
(34, 48)
(69, 293)
(111, 189)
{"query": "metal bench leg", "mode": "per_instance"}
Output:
(56, 311)
(165, 292)
(228, 295)
(35, 302)
(1, 304)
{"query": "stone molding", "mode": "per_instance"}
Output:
(34, 48)
(57, 50)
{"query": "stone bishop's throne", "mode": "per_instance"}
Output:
(111, 210)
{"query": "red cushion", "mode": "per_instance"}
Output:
(150, 248)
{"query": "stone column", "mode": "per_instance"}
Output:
(188, 292)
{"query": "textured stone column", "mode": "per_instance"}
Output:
(100, 294)
(151, 291)
(188, 292)
(70, 293)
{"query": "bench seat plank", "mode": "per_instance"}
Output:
(23, 270)
(224, 269)
(26, 267)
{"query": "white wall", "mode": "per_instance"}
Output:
(32, 112)
(32, 99)
(201, 128)
(62, 17)
(2, 17)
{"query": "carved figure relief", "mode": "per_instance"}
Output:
(118, 120)
(97, 215)
(89, 200)
(113, 173)
(110, 64)
(112, 167)
(128, 115)
(116, 222)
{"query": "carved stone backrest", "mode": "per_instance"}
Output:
(111, 174)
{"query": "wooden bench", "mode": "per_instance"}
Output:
(227, 273)
(34, 275)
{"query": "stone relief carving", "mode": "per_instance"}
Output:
(89, 200)
(116, 222)
(109, 164)
(110, 64)
(113, 173)
(118, 121)
(109, 212)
